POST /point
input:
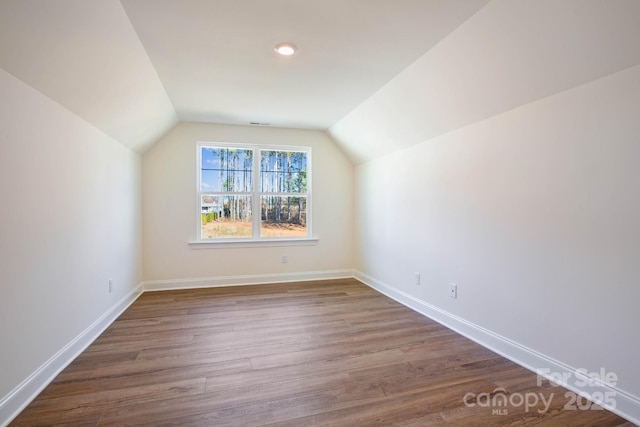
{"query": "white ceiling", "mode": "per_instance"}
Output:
(86, 56)
(217, 63)
(379, 75)
(508, 54)
(135, 68)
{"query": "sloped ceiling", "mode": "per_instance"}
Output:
(135, 68)
(217, 62)
(379, 75)
(508, 54)
(86, 56)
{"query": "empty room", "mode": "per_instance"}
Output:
(305, 212)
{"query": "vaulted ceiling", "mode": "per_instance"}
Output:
(379, 75)
(135, 68)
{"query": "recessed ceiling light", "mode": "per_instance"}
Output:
(285, 49)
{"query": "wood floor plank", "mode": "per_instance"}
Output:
(293, 354)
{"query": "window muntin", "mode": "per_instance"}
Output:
(231, 207)
(283, 185)
(226, 169)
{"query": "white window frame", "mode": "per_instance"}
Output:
(256, 196)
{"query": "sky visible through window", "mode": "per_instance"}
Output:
(230, 198)
(225, 169)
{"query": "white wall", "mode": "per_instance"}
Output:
(533, 213)
(170, 212)
(69, 221)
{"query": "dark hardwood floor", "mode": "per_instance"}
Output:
(300, 354)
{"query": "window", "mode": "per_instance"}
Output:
(253, 192)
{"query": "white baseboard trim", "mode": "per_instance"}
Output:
(13, 403)
(625, 404)
(254, 279)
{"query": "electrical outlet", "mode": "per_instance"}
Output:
(453, 290)
(417, 278)
(285, 259)
(110, 285)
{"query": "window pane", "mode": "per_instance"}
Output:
(283, 171)
(226, 169)
(225, 216)
(283, 216)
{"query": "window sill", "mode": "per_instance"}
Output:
(248, 243)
